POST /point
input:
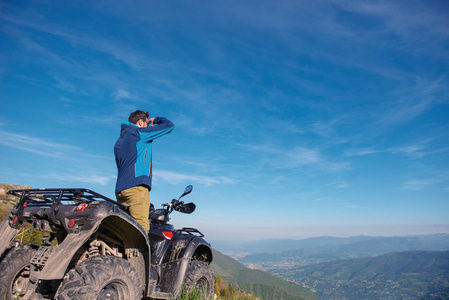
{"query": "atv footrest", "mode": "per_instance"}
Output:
(41, 256)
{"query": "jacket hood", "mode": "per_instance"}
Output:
(126, 125)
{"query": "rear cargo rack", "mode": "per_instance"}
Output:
(55, 196)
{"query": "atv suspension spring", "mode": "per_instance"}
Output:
(100, 247)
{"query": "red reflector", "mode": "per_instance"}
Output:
(71, 223)
(81, 206)
(25, 204)
(14, 221)
(168, 234)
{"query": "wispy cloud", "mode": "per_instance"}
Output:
(45, 147)
(404, 20)
(122, 94)
(410, 150)
(84, 177)
(36, 145)
(361, 152)
(27, 43)
(416, 150)
(75, 38)
(299, 156)
(438, 178)
(414, 100)
(341, 184)
(177, 178)
(420, 184)
(352, 206)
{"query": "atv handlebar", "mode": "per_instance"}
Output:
(172, 205)
(178, 205)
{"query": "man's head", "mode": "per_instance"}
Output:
(140, 118)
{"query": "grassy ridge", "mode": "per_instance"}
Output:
(256, 282)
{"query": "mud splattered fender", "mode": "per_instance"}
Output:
(54, 260)
(174, 272)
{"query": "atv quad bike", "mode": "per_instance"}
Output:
(96, 250)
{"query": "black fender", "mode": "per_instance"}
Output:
(55, 260)
(183, 251)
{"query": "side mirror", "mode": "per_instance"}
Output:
(186, 208)
(188, 190)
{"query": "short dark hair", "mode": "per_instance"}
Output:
(138, 115)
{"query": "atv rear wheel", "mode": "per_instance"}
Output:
(15, 273)
(101, 278)
(199, 277)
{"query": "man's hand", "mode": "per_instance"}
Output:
(151, 121)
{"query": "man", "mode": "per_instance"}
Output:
(133, 158)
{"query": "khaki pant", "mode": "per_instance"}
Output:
(137, 199)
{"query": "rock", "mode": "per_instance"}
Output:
(5, 187)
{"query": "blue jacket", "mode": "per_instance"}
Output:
(133, 153)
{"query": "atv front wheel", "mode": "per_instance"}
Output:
(199, 277)
(15, 272)
(101, 277)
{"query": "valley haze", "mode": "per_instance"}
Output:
(375, 244)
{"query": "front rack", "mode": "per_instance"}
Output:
(190, 231)
(55, 196)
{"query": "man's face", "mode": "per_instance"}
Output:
(142, 123)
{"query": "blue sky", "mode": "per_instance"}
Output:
(292, 118)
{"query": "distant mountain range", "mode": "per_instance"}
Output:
(403, 275)
(363, 267)
(265, 254)
(261, 284)
(279, 245)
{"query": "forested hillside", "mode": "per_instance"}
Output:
(256, 282)
(404, 275)
(356, 267)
